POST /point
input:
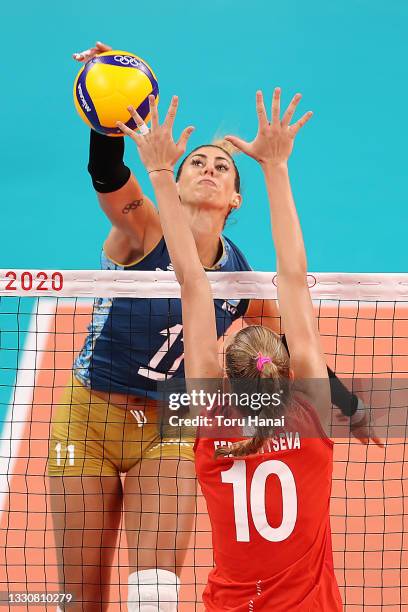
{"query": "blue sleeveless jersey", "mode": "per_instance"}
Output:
(134, 343)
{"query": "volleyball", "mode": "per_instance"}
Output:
(109, 83)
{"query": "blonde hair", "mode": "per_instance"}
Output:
(242, 363)
(225, 145)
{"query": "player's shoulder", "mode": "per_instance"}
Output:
(234, 255)
(157, 258)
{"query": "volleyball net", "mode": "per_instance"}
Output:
(363, 322)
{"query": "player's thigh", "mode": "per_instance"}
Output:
(160, 508)
(86, 513)
(151, 479)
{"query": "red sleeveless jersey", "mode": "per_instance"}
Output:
(270, 520)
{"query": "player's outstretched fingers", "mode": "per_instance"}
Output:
(138, 120)
(261, 111)
(241, 145)
(376, 439)
(126, 130)
(171, 113)
(290, 111)
(85, 56)
(153, 112)
(101, 47)
(299, 124)
(185, 135)
(276, 106)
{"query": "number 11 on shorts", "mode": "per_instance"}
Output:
(71, 451)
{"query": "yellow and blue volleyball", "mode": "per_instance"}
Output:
(109, 83)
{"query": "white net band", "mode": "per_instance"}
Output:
(160, 284)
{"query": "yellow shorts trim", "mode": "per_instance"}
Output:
(91, 437)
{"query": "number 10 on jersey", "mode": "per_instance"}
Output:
(237, 476)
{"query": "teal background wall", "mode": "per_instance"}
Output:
(349, 167)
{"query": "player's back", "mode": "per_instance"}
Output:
(270, 520)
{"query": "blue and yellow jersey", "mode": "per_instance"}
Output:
(134, 343)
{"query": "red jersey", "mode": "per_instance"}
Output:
(270, 521)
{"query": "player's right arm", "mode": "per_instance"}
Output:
(159, 153)
(135, 222)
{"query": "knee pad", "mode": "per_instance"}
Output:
(154, 590)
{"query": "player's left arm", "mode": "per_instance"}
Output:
(351, 405)
(159, 153)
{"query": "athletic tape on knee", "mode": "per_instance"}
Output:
(153, 589)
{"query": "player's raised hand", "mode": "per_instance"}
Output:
(85, 56)
(363, 430)
(273, 143)
(157, 148)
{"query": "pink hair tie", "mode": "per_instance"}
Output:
(261, 361)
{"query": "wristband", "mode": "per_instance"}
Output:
(359, 414)
(160, 170)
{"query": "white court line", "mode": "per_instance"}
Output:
(21, 403)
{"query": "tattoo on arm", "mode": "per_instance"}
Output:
(132, 206)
